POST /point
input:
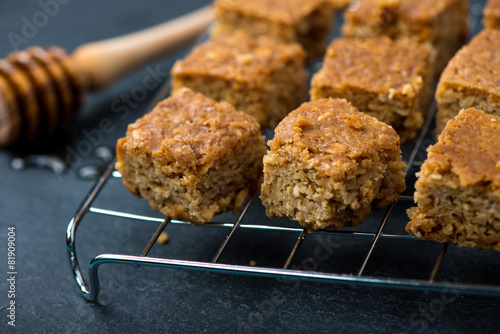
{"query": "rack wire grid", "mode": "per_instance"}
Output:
(404, 262)
(380, 221)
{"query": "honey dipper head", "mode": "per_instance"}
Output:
(39, 90)
(10, 118)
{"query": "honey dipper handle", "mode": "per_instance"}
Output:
(105, 61)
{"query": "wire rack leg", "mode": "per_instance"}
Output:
(299, 241)
(375, 240)
(236, 225)
(88, 292)
(438, 262)
(155, 236)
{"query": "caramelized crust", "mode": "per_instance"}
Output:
(469, 148)
(329, 135)
(190, 130)
(477, 65)
(239, 58)
(378, 65)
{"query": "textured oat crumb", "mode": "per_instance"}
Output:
(457, 191)
(261, 76)
(471, 79)
(389, 80)
(441, 23)
(307, 22)
(163, 238)
(192, 157)
(329, 165)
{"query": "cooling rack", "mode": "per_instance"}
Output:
(372, 265)
(90, 288)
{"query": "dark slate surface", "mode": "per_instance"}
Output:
(39, 203)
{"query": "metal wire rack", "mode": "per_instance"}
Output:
(427, 278)
(90, 290)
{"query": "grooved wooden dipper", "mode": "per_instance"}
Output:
(41, 88)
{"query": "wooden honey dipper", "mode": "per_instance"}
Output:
(40, 88)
